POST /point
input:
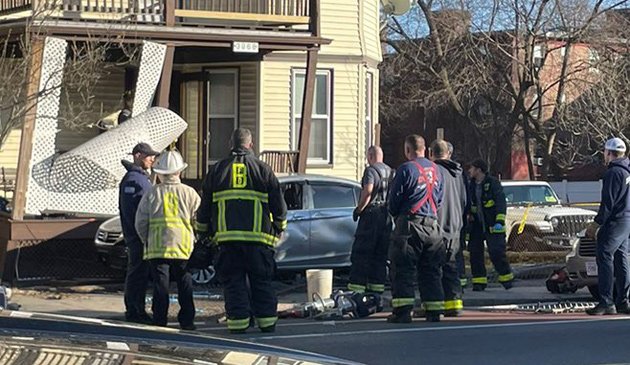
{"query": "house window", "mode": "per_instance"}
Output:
(320, 142)
(369, 109)
(222, 116)
(538, 56)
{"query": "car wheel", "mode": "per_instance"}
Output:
(204, 276)
(528, 241)
(594, 290)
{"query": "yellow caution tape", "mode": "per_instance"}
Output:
(521, 227)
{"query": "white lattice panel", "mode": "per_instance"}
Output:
(86, 178)
(46, 125)
(151, 63)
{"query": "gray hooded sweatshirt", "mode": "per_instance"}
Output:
(451, 212)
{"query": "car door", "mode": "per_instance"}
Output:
(332, 227)
(293, 249)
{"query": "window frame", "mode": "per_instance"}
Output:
(235, 71)
(294, 114)
(369, 109)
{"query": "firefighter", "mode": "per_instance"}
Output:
(369, 251)
(417, 249)
(243, 210)
(164, 222)
(487, 224)
(612, 229)
(451, 220)
(133, 186)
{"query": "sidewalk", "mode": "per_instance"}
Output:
(107, 303)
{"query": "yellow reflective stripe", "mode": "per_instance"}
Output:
(258, 212)
(201, 227)
(454, 304)
(501, 217)
(433, 306)
(489, 204)
(238, 324)
(264, 322)
(356, 288)
(379, 288)
(246, 236)
(480, 280)
(240, 194)
(506, 277)
(283, 224)
(221, 226)
(403, 302)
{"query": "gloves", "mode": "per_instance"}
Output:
(355, 214)
(498, 227)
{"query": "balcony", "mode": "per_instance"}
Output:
(287, 15)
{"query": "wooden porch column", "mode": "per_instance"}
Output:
(307, 109)
(28, 128)
(165, 79)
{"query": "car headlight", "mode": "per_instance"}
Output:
(554, 222)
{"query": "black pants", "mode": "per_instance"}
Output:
(369, 251)
(136, 281)
(240, 264)
(417, 251)
(451, 277)
(162, 270)
(496, 250)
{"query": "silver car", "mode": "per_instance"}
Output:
(581, 264)
(319, 233)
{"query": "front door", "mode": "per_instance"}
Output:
(222, 112)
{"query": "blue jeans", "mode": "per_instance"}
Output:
(612, 262)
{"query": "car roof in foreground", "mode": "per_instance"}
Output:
(315, 177)
(79, 337)
(523, 183)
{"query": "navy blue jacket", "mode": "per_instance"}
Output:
(405, 191)
(615, 204)
(133, 186)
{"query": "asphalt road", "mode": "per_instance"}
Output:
(476, 338)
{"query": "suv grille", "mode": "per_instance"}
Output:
(571, 225)
(108, 237)
(588, 247)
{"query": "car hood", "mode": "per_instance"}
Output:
(551, 211)
(70, 340)
(111, 225)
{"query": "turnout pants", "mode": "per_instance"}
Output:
(163, 270)
(369, 251)
(496, 250)
(417, 252)
(450, 277)
(246, 271)
(460, 262)
(136, 281)
(612, 262)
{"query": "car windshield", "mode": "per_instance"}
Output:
(526, 194)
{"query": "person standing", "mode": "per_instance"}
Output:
(612, 229)
(244, 211)
(132, 188)
(369, 251)
(165, 221)
(487, 224)
(451, 220)
(417, 249)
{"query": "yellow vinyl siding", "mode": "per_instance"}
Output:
(340, 22)
(370, 26)
(10, 150)
(346, 114)
(192, 141)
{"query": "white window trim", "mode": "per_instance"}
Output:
(298, 114)
(235, 72)
(369, 109)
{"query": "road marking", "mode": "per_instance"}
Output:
(429, 329)
(120, 346)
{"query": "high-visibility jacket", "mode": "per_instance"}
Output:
(165, 220)
(242, 201)
(493, 205)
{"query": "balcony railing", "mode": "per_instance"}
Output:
(266, 13)
(281, 162)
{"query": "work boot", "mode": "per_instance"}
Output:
(600, 309)
(432, 316)
(268, 329)
(143, 318)
(238, 332)
(508, 284)
(623, 308)
(479, 287)
(188, 327)
(404, 317)
(453, 313)
(419, 313)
